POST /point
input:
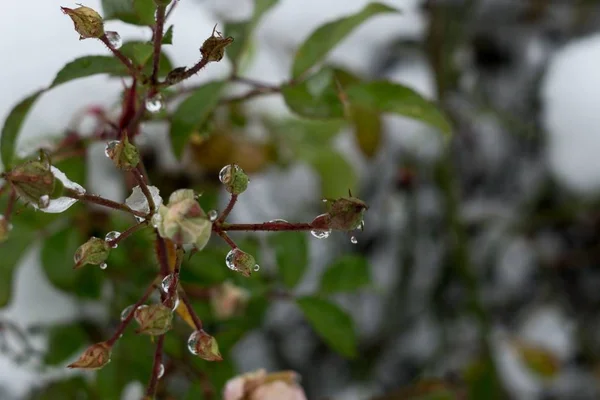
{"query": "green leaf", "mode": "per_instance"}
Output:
(137, 12)
(346, 274)
(242, 31)
(168, 36)
(291, 253)
(86, 66)
(192, 113)
(12, 250)
(331, 323)
(12, 127)
(394, 98)
(139, 52)
(335, 172)
(315, 97)
(367, 129)
(63, 342)
(327, 36)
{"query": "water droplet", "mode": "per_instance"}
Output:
(324, 200)
(213, 215)
(126, 311)
(256, 267)
(320, 234)
(114, 38)
(353, 240)
(166, 283)
(278, 221)
(103, 266)
(112, 236)
(110, 147)
(229, 260)
(161, 371)
(193, 341)
(226, 172)
(362, 225)
(155, 103)
(172, 303)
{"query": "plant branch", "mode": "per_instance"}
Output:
(158, 36)
(171, 9)
(162, 256)
(130, 231)
(126, 61)
(92, 198)
(184, 298)
(127, 320)
(156, 366)
(187, 73)
(264, 226)
(137, 174)
(230, 205)
(251, 94)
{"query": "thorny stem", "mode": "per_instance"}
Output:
(187, 73)
(151, 390)
(228, 209)
(110, 342)
(11, 202)
(188, 305)
(92, 198)
(130, 231)
(158, 36)
(132, 70)
(144, 187)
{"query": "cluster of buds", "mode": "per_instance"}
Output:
(259, 385)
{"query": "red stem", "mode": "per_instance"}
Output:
(11, 202)
(188, 305)
(129, 317)
(226, 238)
(265, 226)
(91, 198)
(228, 209)
(130, 231)
(119, 55)
(151, 390)
(158, 36)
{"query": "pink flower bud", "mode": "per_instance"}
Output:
(228, 300)
(259, 385)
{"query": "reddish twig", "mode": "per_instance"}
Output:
(144, 187)
(92, 198)
(228, 209)
(151, 390)
(158, 36)
(12, 198)
(126, 61)
(130, 231)
(226, 238)
(188, 305)
(127, 320)
(265, 226)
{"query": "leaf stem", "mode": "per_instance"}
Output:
(226, 238)
(132, 70)
(264, 226)
(158, 36)
(130, 231)
(92, 198)
(230, 205)
(9, 206)
(156, 366)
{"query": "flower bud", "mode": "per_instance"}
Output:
(34, 181)
(204, 346)
(234, 178)
(94, 357)
(95, 251)
(88, 23)
(5, 228)
(347, 213)
(124, 154)
(154, 319)
(175, 75)
(260, 385)
(228, 300)
(183, 221)
(213, 48)
(240, 261)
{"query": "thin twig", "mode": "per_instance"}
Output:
(171, 9)
(92, 198)
(247, 96)
(226, 238)
(265, 226)
(151, 390)
(158, 36)
(144, 187)
(188, 305)
(130, 231)
(187, 74)
(127, 320)
(126, 61)
(230, 205)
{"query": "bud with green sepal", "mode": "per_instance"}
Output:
(88, 23)
(95, 251)
(34, 181)
(204, 346)
(94, 357)
(240, 261)
(154, 320)
(234, 178)
(346, 213)
(124, 154)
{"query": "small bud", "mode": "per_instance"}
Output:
(5, 228)
(183, 221)
(154, 320)
(204, 346)
(175, 75)
(240, 261)
(34, 181)
(228, 300)
(88, 23)
(213, 48)
(234, 178)
(95, 251)
(124, 154)
(346, 213)
(94, 357)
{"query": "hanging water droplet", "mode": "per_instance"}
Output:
(320, 234)
(353, 240)
(110, 147)
(193, 341)
(103, 266)
(229, 260)
(161, 371)
(155, 103)
(213, 215)
(256, 267)
(126, 311)
(278, 221)
(114, 38)
(166, 283)
(362, 225)
(225, 173)
(112, 236)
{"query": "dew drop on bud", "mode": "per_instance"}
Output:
(103, 266)
(353, 240)
(112, 236)
(166, 283)
(161, 371)
(191, 343)
(225, 174)
(172, 302)
(256, 267)
(115, 39)
(320, 234)
(278, 221)
(110, 146)
(212, 215)
(229, 260)
(126, 311)
(155, 103)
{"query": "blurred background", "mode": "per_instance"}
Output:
(483, 260)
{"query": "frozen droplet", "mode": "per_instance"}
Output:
(256, 267)
(60, 204)
(155, 103)
(137, 200)
(103, 266)
(114, 38)
(193, 341)
(213, 215)
(278, 221)
(110, 147)
(156, 220)
(126, 311)
(44, 201)
(226, 172)
(353, 240)
(112, 236)
(166, 283)
(161, 371)
(321, 233)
